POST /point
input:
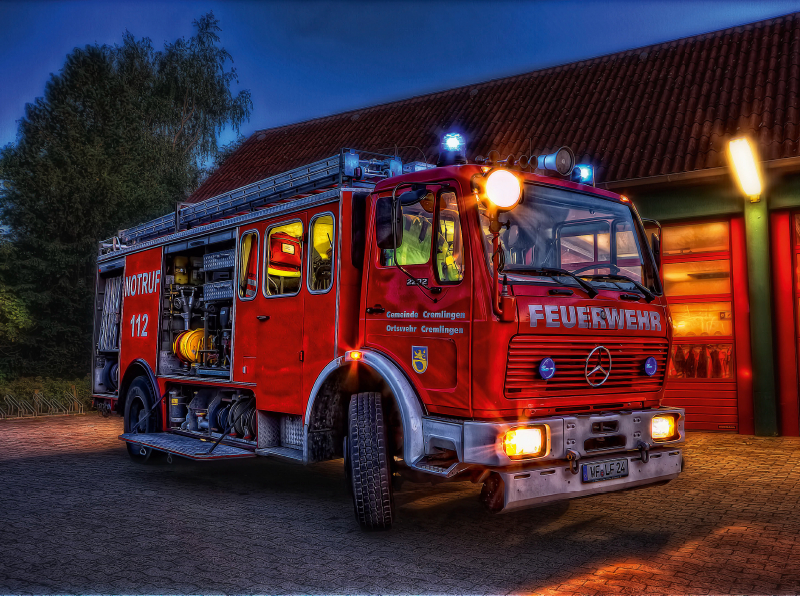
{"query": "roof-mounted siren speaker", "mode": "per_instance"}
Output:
(561, 162)
(490, 160)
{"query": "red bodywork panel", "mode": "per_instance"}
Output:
(141, 295)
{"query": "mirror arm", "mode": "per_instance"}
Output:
(394, 256)
(503, 305)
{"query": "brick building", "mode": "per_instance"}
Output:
(655, 123)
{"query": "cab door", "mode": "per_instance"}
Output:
(269, 333)
(319, 342)
(247, 306)
(425, 328)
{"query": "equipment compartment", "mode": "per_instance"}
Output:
(197, 305)
(213, 413)
(108, 307)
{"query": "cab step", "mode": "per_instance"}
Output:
(443, 468)
(189, 447)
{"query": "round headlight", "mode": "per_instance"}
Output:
(503, 189)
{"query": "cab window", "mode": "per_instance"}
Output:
(320, 267)
(248, 266)
(283, 259)
(449, 242)
(417, 235)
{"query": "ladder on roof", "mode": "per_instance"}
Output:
(359, 169)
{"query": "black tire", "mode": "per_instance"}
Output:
(138, 402)
(368, 464)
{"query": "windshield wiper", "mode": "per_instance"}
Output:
(550, 272)
(648, 295)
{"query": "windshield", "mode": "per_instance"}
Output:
(558, 228)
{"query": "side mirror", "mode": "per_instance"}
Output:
(383, 223)
(412, 197)
(656, 244)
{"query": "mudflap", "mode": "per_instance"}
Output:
(189, 447)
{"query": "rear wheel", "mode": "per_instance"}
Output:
(138, 402)
(367, 463)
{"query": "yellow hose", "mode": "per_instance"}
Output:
(188, 345)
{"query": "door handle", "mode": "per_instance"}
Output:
(262, 317)
(377, 309)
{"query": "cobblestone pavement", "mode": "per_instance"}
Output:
(77, 516)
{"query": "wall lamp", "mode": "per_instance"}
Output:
(743, 156)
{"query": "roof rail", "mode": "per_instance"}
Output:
(360, 169)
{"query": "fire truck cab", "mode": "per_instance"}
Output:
(500, 322)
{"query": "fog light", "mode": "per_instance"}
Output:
(663, 428)
(529, 441)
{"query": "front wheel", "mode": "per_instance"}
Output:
(367, 463)
(138, 402)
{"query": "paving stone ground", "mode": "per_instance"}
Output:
(77, 516)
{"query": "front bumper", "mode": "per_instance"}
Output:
(545, 482)
(481, 443)
(573, 440)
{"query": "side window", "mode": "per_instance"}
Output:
(417, 235)
(248, 266)
(321, 249)
(284, 259)
(449, 242)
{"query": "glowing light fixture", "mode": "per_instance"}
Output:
(452, 151)
(453, 141)
(662, 428)
(503, 189)
(746, 168)
(356, 354)
(584, 174)
(524, 442)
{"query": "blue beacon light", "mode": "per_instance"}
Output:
(650, 366)
(547, 368)
(583, 173)
(453, 141)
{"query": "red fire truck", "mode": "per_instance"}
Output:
(499, 321)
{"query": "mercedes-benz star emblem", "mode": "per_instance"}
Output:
(598, 366)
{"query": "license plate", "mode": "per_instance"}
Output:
(605, 470)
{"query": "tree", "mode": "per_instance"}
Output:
(120, 135)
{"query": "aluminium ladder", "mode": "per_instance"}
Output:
(349, 167)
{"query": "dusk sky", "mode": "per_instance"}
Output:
(307, 59)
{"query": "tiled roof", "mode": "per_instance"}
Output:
(661, 109)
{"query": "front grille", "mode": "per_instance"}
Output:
(569, 353)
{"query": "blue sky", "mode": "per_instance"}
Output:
(305, 59)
